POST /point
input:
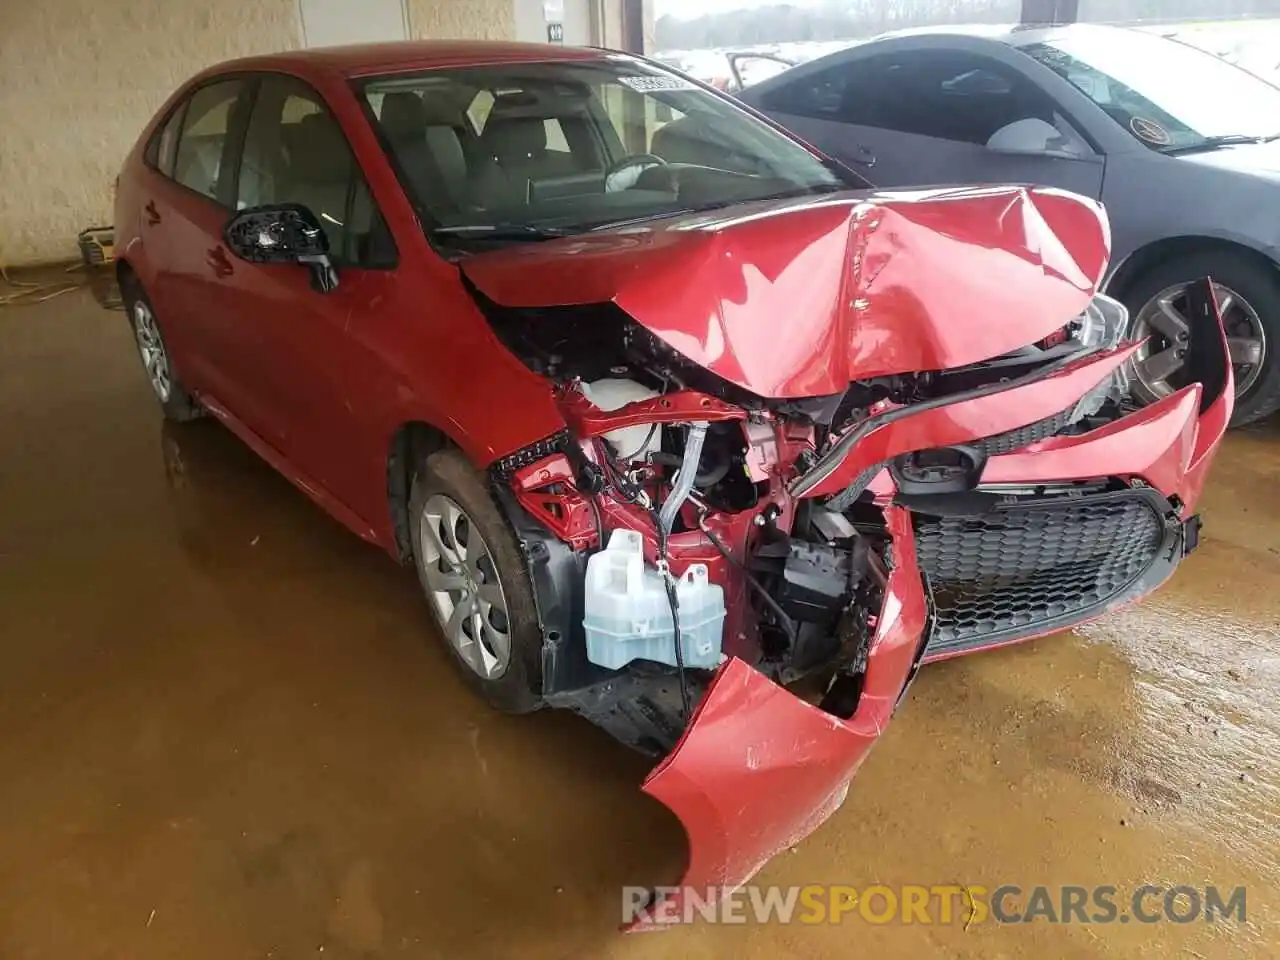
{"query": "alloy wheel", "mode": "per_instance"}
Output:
(151, 348)
(463, 587)
(1159, 368)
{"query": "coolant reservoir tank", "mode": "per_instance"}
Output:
(629, 443)
(627, 614)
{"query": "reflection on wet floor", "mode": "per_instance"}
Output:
(1207, 659)
(228, 730)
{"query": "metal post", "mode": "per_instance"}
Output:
(635, 133)
(633, 25)
(1050, 11)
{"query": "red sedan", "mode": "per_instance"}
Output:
(667, 410)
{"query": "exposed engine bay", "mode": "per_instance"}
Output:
(710, 479)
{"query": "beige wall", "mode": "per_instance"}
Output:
(79, 79)
(473, 19)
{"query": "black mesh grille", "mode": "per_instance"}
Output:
(1025, 436)
(1034, 566)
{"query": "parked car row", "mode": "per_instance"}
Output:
(668, 410)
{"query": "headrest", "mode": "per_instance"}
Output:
(441, 110)
(319, 151)
(403, 115)
(514, 136)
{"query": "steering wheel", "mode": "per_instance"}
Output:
(624, 174)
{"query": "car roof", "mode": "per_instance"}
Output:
(376, 58)
(1013, 35)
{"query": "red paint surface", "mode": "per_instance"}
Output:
(758, 769)
(546, 490)
(1168, 445)
(974, 419)
(680, 406)
(798, 298)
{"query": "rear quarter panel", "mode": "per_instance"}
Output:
(132, 184)
(128, 203)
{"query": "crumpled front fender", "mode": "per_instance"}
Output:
(985, 412)
(1169, 444)
(759, 769)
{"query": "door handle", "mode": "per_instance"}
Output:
(153, 215)
(218, 262)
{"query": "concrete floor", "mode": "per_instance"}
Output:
(229, 732)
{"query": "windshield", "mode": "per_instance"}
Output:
(1166, 94)
(528, 151)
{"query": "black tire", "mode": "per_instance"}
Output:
(1257, 283)
(179, 405)
(518, 688)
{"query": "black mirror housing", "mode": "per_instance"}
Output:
(277, 233)
(282, 233)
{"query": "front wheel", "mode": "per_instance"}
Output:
(476, 583)
(178, 405)
(1248, 296)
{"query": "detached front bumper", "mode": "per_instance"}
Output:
(759, 769)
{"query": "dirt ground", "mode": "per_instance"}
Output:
(228, 731)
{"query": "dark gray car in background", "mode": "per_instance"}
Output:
(1181, 147)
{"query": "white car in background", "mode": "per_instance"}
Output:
(1253, 44)
(727, 70)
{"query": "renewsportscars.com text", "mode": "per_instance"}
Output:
(936, 904)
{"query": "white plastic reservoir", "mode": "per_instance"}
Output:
(628, 617)
(629, 443)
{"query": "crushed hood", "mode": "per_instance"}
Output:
(799, 297)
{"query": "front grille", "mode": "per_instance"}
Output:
(1037, 564)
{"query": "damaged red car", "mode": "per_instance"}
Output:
(668, 411)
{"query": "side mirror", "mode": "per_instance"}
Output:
(282, 233)
(1034, 138)
(1058, 153)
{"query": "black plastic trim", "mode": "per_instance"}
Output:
(1161, 566)
(640, 707)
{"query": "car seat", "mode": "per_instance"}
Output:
(320, 171)
(423, 132)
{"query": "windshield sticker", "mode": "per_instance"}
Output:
(654, 84)
(1150, 131)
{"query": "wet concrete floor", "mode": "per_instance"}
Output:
(227, 730)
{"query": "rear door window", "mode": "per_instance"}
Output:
(206, 124)
(163, 144)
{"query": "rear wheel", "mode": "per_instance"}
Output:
(1249, 297)
(178, 405)
(476, 583)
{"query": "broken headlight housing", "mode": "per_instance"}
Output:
(1102, 325)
